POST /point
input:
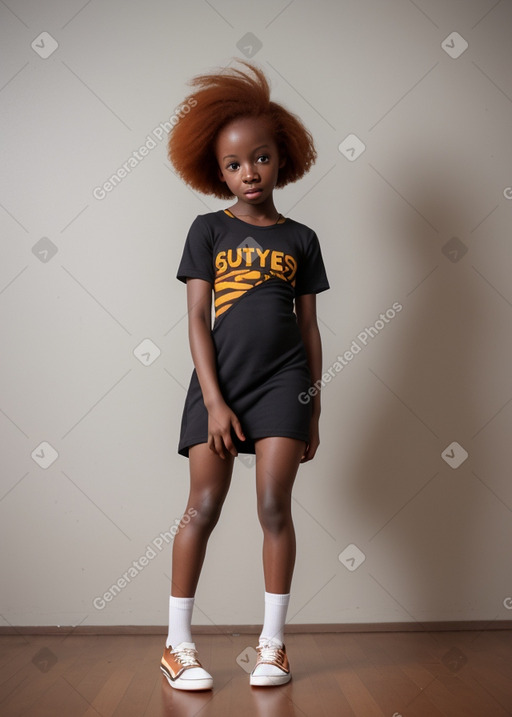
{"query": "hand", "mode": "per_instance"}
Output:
(220, 421)
(314, 441)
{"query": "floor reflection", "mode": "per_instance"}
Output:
(259, 702)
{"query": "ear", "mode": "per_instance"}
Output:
(220, 174)
(282, 162)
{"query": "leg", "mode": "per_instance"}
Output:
(210, 478)
(277, 461)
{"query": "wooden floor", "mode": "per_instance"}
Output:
(401, 674)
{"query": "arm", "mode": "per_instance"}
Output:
(220, 417)
(305, 308)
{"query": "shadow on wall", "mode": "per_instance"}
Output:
(423, 509)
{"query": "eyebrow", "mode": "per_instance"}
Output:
(262, 146)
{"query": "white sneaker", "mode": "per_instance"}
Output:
(183, 670)
(272, 667)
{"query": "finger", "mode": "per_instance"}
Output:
(211, 442)
(219, 447)
(238, 428)
(230, 446)
(215, 445)
(312, 451)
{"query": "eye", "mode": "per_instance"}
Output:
(263, 158)
(232, 166)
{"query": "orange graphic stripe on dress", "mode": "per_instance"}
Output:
(231, 285)
(241, 269)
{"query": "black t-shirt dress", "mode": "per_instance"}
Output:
(256, 273)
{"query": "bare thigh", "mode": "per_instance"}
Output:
(210, 478)
(277, 462)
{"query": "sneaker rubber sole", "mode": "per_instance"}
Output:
(191, 685)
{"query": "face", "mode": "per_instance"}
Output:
(248, 159)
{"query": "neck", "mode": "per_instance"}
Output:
(256, 214)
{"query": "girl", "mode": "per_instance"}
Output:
(264, 350)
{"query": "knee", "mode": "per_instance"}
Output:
(208, 507)
(273, 512)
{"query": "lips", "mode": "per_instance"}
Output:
(252, 192)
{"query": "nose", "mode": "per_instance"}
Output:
(249, 174)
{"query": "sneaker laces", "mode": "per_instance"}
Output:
(270, 653)
(187, 656)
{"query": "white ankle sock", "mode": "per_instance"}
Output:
(180, 618)
(275, 616)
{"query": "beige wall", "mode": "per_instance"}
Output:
(437, 166)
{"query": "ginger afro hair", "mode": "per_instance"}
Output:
(219, 99)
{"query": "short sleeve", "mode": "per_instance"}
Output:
(197, 258)
(311, 274)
